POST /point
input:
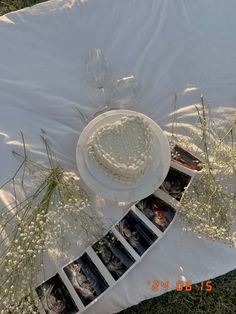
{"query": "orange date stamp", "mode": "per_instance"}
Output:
(180, 285)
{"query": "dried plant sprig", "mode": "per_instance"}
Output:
(29, 225)
(209, 204)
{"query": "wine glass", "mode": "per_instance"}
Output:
(126, 93)
(97, 68)
(98, 75)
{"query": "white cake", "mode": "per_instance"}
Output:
(122, 149)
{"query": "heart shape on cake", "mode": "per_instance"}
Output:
(122, 149)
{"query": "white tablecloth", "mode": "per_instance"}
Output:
(187, 47)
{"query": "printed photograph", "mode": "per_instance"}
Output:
(113, 255)
(86, 279)
(175, 183)
(55, 297)
(136, 232)
(157, 211)
(183, 157)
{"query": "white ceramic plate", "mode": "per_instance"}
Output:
(103, 184)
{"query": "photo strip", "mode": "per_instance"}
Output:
(186, 159)
(114, 255)
(55, 298)
(175, 183)
(139, 236)
(86, 279)
(157, 211)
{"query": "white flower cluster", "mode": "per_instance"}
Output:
(34, 224)
(209, 204)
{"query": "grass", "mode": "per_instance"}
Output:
(13, 5)
(222, 300)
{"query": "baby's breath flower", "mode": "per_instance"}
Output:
(37, 221)
(209, 204)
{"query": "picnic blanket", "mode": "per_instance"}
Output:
(182, 47)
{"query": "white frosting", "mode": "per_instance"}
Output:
(123, 148)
